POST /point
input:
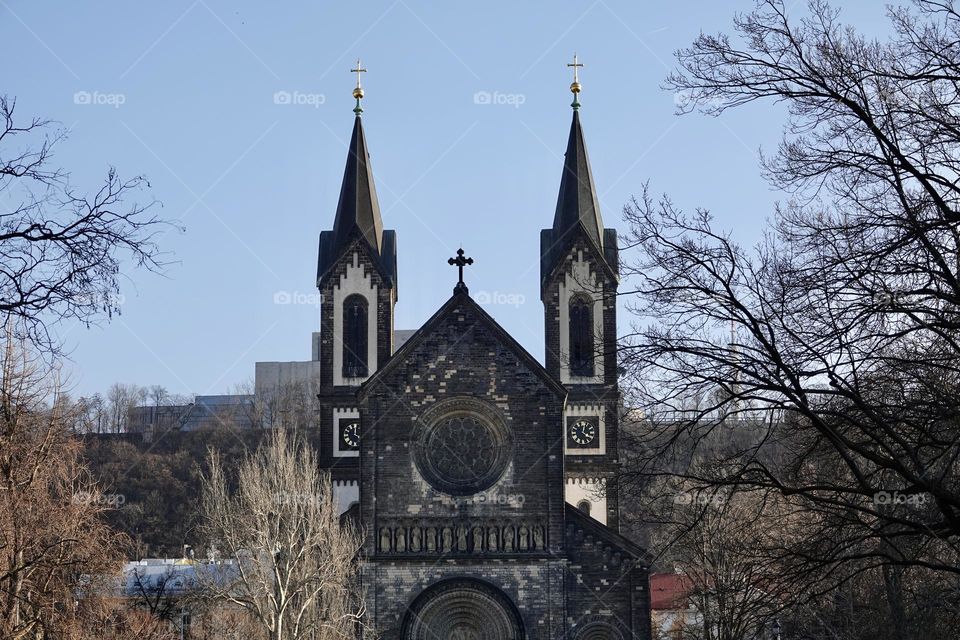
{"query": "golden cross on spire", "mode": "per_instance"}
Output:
(360, 70)
(575, 65)
(358, 91)
(575, 87)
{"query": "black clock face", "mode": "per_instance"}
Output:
(349, 435)
(581, 432)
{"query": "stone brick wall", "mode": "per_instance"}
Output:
(607, 393)
(535, 587)
(463, 356)
(605, 586)
(331, 396)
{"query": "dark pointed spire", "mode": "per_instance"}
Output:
(578, 209)
(577, 204)
(358, 211)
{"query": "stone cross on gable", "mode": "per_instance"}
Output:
(460, 262)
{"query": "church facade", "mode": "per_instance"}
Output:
(483, 480)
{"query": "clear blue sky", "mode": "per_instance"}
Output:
(254, 182)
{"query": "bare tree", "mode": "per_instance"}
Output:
(715, 540)
(158, 395)
(287, 405)
(838, 334)
(60, 251)
(159, 596)
(56, 554)
(91, 414)
(212, 621)
(121, 400)
(288, 560)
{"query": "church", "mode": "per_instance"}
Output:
(483, 479)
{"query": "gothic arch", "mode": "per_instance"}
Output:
(356, 315)
(463, 608)
(581, 323)
(597, 629)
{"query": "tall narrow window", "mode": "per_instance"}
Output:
(355, 337)
(581, 336)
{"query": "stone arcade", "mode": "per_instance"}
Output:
(484, 480)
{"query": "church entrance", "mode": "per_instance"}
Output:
(462, 609)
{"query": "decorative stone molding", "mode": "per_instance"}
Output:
(583, 280)
(597, 627)
(420, 537)
(354, 281)
(465, 609)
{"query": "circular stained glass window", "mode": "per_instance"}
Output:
(461, 452)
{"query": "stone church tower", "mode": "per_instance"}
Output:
(578, 287)
(482, 479)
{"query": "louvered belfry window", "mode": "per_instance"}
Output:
(355, 318)
(581, 336)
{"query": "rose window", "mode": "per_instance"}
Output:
(461, 453)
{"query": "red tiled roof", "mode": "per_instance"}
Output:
(669, 591)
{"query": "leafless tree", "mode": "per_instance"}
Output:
(56, 555)
(158, 395)
(288, 405)
(91, 414)
(159, 596)
(60, 250)
(837, 335)
(714, 539)
(213, 621)
(286, 558)
(121, 400)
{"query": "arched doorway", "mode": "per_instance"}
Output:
(596, 630)
(462, 609)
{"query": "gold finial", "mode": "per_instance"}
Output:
(358, 91)
(575, 87)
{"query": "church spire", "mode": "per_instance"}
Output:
(358, 210)
(577, 204)
(578, 208)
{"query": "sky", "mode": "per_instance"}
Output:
(239, 113)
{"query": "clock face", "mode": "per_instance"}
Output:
(349, 435)
(581, 433)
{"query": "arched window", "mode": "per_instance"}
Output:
(355, 336)
(584, 506)
(581, 336)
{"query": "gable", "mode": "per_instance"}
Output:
(580, 520)
(462, 316)
(332, 254)
(555, 253)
